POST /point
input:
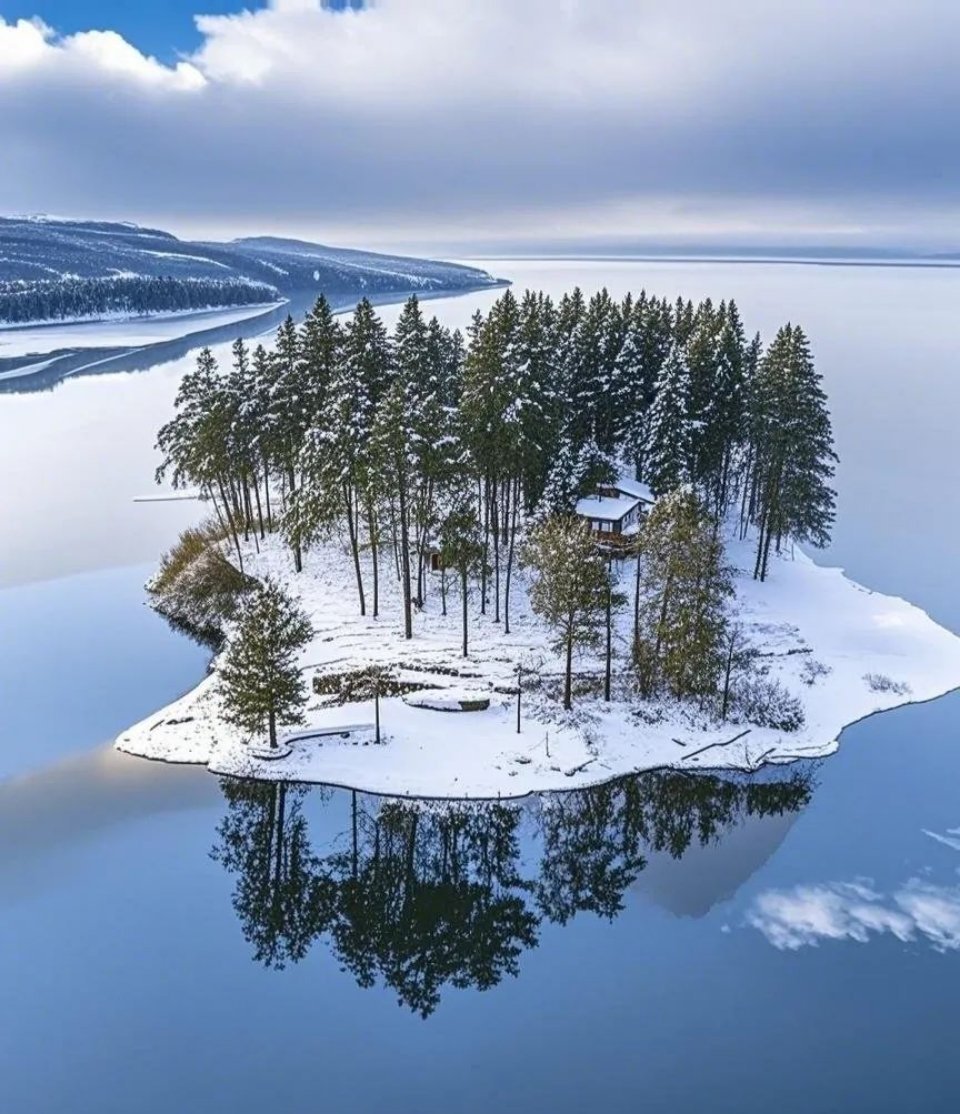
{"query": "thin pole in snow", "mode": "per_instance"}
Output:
(519, 689)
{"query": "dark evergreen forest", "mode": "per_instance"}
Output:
(62, 299)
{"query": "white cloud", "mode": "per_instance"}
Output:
(624, 115)
(29, 48)
(807, 915)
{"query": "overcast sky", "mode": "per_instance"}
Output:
(468, 122)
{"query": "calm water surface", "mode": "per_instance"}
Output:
(171, 943)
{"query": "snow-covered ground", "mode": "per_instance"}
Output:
(117, 331)
(874, 652)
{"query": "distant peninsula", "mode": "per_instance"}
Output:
(78, 295)
(60, 270)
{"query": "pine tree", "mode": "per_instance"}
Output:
(668, 435)
(197, 444)
(723, 413)
(461, 548)
(793, 449)
(260, 682)
(362, 378)
(571, 589)
(541, 416)
(393, 454)
(491, 426)
(320, 339)
(563, 484)
(289, 417)
(683, 588)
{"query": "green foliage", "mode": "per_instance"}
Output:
(462, 549)
(572, 585)
(684, 587)
(197, 588)
(401, 442)
(793, 456)
(260, 683)
(193, 542)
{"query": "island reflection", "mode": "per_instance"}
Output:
(418, 896)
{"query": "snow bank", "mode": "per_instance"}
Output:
(449, 699)
(829, 641)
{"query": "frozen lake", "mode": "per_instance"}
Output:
(804, 959)
(38, 340)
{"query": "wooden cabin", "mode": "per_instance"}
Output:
(615, 510)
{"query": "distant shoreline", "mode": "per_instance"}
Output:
(43, 370)
(255, 309)
(785, 261)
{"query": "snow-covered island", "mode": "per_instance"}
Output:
(803, 614)
(432, 588)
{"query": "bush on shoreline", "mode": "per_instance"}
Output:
(197, 588)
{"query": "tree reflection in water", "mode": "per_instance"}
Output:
(420, 895)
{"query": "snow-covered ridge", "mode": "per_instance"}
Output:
(845, 651)
(45, 249)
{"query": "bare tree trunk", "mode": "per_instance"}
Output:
(354, 544)
(248, 504)
(230, 521)
(763, 535)
(374, 556)
(266, 491)
(405, 560)
(256, 491)
(485, 504)
(568, 679)
(496, 554)
(393, 535)
(513, 540)
(766, 555)
(297, 552)
(463, 594)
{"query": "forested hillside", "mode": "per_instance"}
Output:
(57, 269)
(123, 295)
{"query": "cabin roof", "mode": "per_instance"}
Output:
(607, 510)
(634, 488)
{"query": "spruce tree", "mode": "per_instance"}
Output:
(260, 682)
(668, 433)
(683, 589)
(572, 587)
(794, 455)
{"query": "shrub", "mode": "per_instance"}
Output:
(813, 670)
(880, 682)
(355, 685)
(766, 703)
(197, 588)
(192, 543)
